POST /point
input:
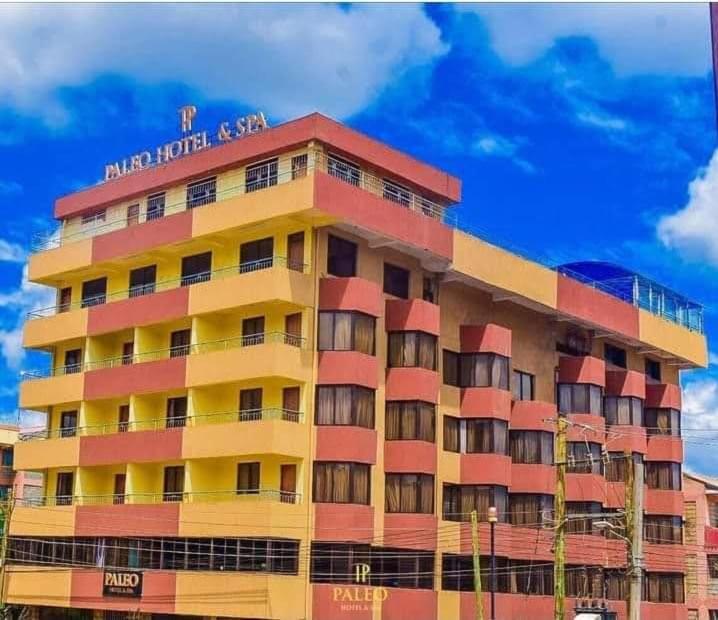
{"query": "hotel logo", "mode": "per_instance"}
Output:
(360, 597)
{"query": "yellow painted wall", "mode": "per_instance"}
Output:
(36, 454)
(663, 334)
(42, 332)
(22, 586)
(40, 393)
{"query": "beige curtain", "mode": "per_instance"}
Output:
(341, 482)
(451, 434)
(392, 494)
(360, 481)
(427, 416)
(342, 331)
(396, 350)
(364, 403)
(427, 351)
(392, 422)
(364, 330)
(426, 494)
(325, 405)
(409, 490)
(343, 405)
(408, 420)
(326, 331)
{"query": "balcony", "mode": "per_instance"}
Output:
(711, 537)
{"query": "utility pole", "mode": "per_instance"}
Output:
(477, 565)
(559, 583)
(6, 510)
(634, 533)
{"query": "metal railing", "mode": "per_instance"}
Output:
(171, 284)
(156, 424)
(183, 350)
(227, 495)
(316, 160)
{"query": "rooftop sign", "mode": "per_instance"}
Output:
(190, 142)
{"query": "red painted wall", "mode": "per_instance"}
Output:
(143, 378)
(137, 520)
(131, 447)
(351, 294)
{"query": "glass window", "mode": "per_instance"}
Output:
(410, 420)
(663, 422)
(615, 470)
(196, 268)
(412, 349)
(663, 587)
(396, 281)
(653, 369)
(68, 423)
(530, 509)
(580, 398)
(460, 500)
(450, 367)
(663, 475)
(343, 170)
(522, 385)
(253, 331)
(94, 292)
(248, 478)
(142, 280)
(256, 255)
(614, 355)
(409, 493)
(335, 562)
(430, 289)
(401, 568)
(623, 410)
(299, 166)
(484, 370)
(396, 193)
(180, 342)
(176, 412)
(475, 435)
(250, 404)
(531, 447)
(155, 206)
(173, 486)
(64, 488)
(584, 458)
(663, 530)
(201, 193)
(341, 483)
(341, 257)
(261, 175)
(346, 331)
(64, 299)
(344, 405)
(579, 519)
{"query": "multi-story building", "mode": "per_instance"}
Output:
(282, 380)
(24, 485)
(701, 541)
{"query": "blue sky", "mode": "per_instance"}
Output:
(580, 131)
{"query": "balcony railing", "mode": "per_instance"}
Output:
(316, 160)
(228, 495)
(156, 424)
(183, 350)
(174, 283)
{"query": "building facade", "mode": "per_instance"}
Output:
(282, 380)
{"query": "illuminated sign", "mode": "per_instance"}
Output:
(190, 142)
(359, 598)
(122, 583)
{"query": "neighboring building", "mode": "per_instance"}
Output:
(701, 540)
(282, 380)
(24, 484)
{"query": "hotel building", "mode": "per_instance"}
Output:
(282, 378)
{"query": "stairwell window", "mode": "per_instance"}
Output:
(345, 405)
(412, 349)
(407, 419)
(341, 257)
(261, 175)
(396, 281)
(347, 331)
(522, 385)
(409, 493)
(341, 483)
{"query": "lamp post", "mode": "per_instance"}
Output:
(493, 518)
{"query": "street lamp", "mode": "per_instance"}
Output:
(493, 518)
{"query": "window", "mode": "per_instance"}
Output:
(118, 495)
(248, 479)
(299, 166)
(256, 255)
(412, 349)
(663, 422)
(410, 419)
(259, 176)
(196, 268)
(293, 329)
(94, 292)
(341, 257)
(133, 215)
(396, 281)
(663, 587)
(343, 170)
(155, 206)
(397, 193)
(341, 483)
(7, 457)
(461, 499)
(585, 582)
(475, 435)
(64, 488)
(653, 369)
(347, 331)
(73, 361)
(201, 193)
(430, 290)
(123, 418)
(180, 342)
(616, 469)
(173, 487)
(450, 367)
(64, 299)
(623, 410)
(95, 217)
(344, 405)
(663, 475)
(401, 568)
(142, 280)
(580, 398)
(713, 566)
(253, 331)
(290, 404)
(68, 423)
(522, 385)
(531, 447)
(409, 493)
(530, 509)
(250, 404)
(614, 355)
(457, 573)
(176, 412)
(579, 519)
(484, 370)
(335, 562)
(295, 251)
(663, 530)
(584, 458)
(128, 353)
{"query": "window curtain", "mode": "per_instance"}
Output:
(393, 493)
(342, 331)
(427, 351)
(426, 495)
(326, 331)
(392, 423)
(364, 330)
(408, 420)
(451, 434)
(396, 350)
(426, 426)
(341, 478)
(409, 493)
(364, 406)
(360, 484)
(325, 405)
(343, 405)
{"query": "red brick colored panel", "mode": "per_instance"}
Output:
(615, 495)
(661, 448)
(138, 311)
(533, 415)
(135, 519)
(664, 557)
(485, 469)
(485, 402)
(488, 338)
(404, 315)
(625, 383)
(348, 368)
(158, 592)
(346, 443)
(403, 603)
(586, 427)
(135, 447)
(382, 217)
(660, 502)
(627, 438)
(585, 488)
(595, 549)
(137, 239)
(351, 294)
(411, 457)
(663, 611)
(410, 531)
(532, 479)
(345, 522)
(666, 395)
(600, 309)
(143, 378)
(582, 370)
(327, 603)
(412, 384)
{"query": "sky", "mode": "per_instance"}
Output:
(579, 131)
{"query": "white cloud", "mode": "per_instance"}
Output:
(700, 404)
(286, 59)
(12, 252)
(10, 188)
(638, 38)
(694, 228)
(493, 145)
